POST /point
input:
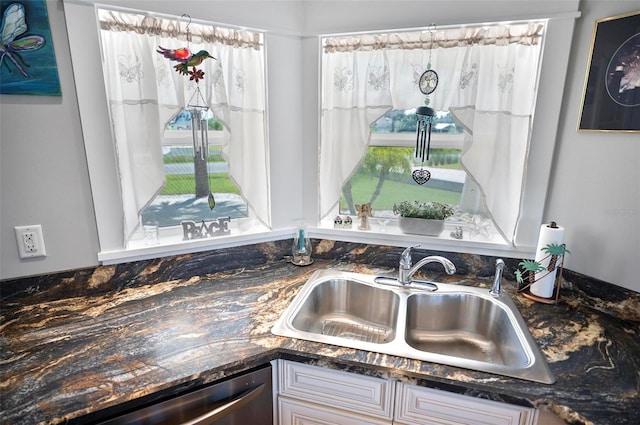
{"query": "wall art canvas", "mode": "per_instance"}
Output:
(611, 97)
(27, 58)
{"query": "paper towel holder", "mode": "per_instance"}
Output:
(534, 271)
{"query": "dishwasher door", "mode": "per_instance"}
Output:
(242, 400)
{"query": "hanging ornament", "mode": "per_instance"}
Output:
(186, 58)
(427, 85)
(200, 115)
(423, 143)
(199, 130)
(199, 110)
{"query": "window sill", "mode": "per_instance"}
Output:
(390, 234)
(172, 243)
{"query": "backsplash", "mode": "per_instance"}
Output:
(103, 279)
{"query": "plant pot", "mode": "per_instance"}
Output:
(421, 226)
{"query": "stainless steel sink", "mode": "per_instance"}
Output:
(455, 325)
(466, 326)
(345, 308)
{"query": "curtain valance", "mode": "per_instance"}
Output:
(526, 34)
(111, 20)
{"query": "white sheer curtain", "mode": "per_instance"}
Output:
(144, 92)
(238, 100)
(487, 80)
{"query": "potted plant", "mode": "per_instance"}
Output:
(422, 218)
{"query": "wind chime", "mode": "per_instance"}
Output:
(427, 85)
(196, 106)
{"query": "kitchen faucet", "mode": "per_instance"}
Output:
(405, 271)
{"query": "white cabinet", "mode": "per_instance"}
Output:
(295, 412)
(425, 406)
(313, 395)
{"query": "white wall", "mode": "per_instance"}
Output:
(595, 183)
(583, 191)
(43, 172)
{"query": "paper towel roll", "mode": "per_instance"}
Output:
(545, 280)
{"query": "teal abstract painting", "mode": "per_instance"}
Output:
(27, 58)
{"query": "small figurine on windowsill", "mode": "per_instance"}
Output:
(364, 212)
(337, 222)
(347, 222)
(342, 223)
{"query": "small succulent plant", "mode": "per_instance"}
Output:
(428, 210)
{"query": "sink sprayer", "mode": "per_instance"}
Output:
(496, 291)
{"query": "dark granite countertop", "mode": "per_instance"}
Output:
(78, 357)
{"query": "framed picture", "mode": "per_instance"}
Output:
(611, 96)
(27, 59)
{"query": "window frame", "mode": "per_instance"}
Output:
(83, 32)
(549, 89)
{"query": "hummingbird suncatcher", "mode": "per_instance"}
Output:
(186, 60)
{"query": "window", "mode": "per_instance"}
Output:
(185, 193)
(480, 135)
(293, 157)
(384, 176)
(169, 172)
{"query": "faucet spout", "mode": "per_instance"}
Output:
(406, 270)
(496, 291)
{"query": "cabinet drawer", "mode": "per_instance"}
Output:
(421, 406)
(333, 388)
(293, 412)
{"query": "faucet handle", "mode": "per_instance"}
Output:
(405, 258)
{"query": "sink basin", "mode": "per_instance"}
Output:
(349, 309)
(455, 325)
(466, 326)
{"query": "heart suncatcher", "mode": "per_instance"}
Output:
(421, 176)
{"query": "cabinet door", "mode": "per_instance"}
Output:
(337, 389)
(296, 412)
(425, 406)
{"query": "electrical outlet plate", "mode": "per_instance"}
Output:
(30, 241)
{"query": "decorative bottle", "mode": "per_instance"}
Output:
(301, 249)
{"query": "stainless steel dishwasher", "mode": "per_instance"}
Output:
(242, 400)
